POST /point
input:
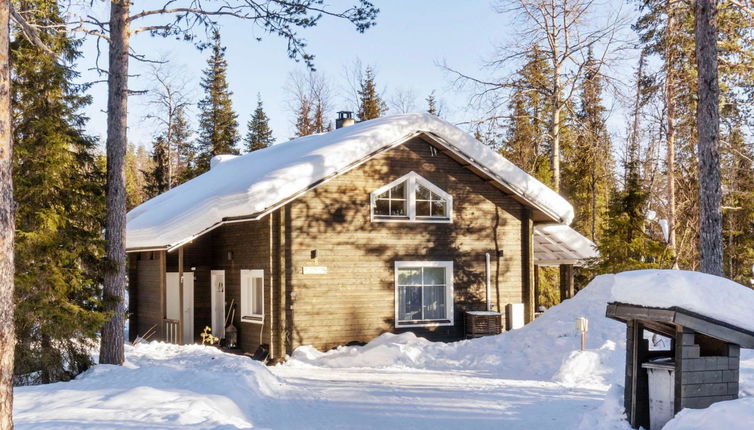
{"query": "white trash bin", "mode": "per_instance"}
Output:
(661, 374)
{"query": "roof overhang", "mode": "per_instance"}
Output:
(556, 244)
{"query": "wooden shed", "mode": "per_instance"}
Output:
(702, 353)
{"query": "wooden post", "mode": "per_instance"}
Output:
(163, 292)
(583, 340)
(180, 295)
(528, 266)
(566, 281)
(536, 288)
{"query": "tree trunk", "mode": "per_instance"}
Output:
(707, 124)
(111, 347)
(7, 229)
(670, 105)
(555, 155)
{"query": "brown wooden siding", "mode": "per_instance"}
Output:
(355, 300)
(144, 294)
(249, 244)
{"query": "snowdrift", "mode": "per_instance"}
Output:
(194, 386)
(547, 348)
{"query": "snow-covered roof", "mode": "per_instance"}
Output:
(253, 184)
(707, 295)
(560, 244)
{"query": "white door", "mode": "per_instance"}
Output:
(218, 303)
(173, 302)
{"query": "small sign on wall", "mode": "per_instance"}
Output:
(315, 270)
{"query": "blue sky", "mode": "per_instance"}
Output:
(405, 47)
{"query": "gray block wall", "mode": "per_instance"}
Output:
(703, 380)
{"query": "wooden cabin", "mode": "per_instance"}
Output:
(397, 224)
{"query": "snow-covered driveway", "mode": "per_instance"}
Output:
(417, 399)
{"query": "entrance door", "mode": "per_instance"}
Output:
(218, 303)
(173, 302)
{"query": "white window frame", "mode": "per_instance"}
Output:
(246, 314)
(449, 305)
(412, 179)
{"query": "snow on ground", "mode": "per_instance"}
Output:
(529, 378)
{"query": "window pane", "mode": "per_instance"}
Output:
(410, 276)
(398, 207)
(434, 303)
(422, 193)
(409, 303)
(385, 195)
(258, 301)
(434, 276)
(382, 207)
(439, 209)
(422, 208)
(398, 191)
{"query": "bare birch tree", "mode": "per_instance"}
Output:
(564, 30)
(708, 132)
(169, 97)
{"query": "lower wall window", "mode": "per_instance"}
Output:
(252, 296)
(423, 293)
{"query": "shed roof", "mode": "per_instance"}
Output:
(556, 244)
(252, 185)
(677, 316)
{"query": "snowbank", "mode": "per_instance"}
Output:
(252, 183)
(547, 347)
(159, 386)
(541, 350)
(731, 415)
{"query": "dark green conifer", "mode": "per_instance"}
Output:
(371, 104)
(158, 178)
(218, 124)
(259, 134)
(59, 189)
(588, 166)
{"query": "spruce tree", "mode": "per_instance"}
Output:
(432, 107)
(304, 125)
(588, 167)
(137, 162)
(158, 179)
(184, 159)
(259, 134)
(628, 242)
(526, 141)
(371, 104)
(60, 212)
(218, 124)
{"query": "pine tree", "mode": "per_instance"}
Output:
(588, 167)
(158, 179)
(218, 125)
(675, 48)
(59, 190)
(259, 134)
(371, 104)
(738, 213)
